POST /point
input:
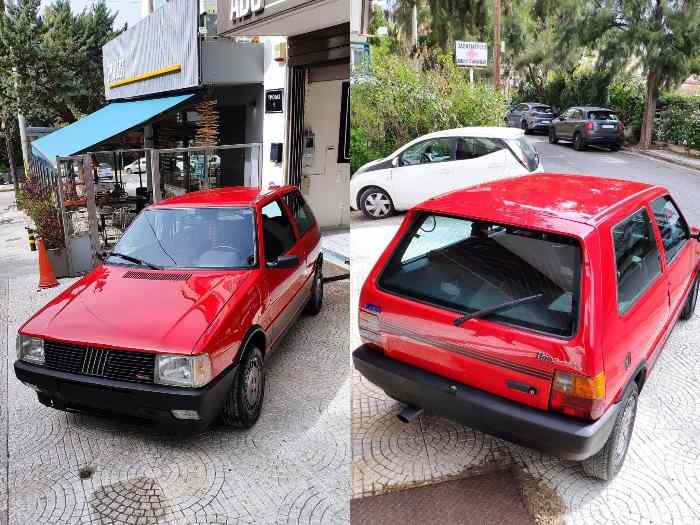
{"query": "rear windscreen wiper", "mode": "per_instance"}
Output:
(497, 308)
(135, 260)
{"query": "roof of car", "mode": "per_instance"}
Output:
(232, 196)
(497, 132)
(592, 108)
(537, 200)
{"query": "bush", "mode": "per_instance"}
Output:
(626, 96)
(585, 87)
(39, 204)
(678, 122)
(401, 101)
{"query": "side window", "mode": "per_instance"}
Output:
(474, 147)
(427, 152)
(522, 107)
(301, 211)
(673, 228)
(278, 234)
(636, 258)
(578, 114)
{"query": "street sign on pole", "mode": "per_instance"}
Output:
(471, 54)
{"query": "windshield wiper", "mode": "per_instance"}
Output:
(497, 308)
(135, 260)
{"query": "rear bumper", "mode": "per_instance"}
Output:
(534, 124)
(81, 393)
(554, 434)
(603, 140)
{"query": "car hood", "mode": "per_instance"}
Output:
(131, 308)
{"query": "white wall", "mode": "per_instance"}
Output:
(274, 124)
(325, 182)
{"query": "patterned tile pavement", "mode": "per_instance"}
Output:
(292, 467)
(659, 483)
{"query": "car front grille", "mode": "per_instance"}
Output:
(121, 365)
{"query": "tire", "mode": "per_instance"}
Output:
(579, 145)
(244, 401)
(375, 203)
(609, 460)
(553, 139)
(615, 147)
(691, 302)
(313, 307)
(525, 127)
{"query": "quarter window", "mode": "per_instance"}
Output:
(673, 228)
(278, 234)
(301, 212)
(475, 147)
(636, 258)
(427, 152)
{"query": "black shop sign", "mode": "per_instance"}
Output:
(273, 100)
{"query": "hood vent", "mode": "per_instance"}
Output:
(157, 276)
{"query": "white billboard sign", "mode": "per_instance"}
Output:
(471, 54)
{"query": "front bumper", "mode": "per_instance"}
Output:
(82, 393)
(540, 124)
(552, 433)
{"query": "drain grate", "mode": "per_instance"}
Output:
(492, 498)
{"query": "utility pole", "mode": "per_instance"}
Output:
(497, 43)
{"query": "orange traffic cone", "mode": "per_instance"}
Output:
(47, 279)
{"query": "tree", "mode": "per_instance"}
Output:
(664, 35)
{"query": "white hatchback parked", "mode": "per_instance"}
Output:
(437, 163)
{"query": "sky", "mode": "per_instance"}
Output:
(128, 10)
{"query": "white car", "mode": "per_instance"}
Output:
(139, 165)
(440, 162)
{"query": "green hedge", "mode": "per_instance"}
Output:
(400, 101)
(678, 120)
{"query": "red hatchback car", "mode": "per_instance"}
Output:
(175, 325)
(531, 308)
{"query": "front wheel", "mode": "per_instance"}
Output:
(615, 147)
(525, 127)
(608, 461)
(691, 302)
(375, 203)
(244, 401)
(553, 136)
(313, 307)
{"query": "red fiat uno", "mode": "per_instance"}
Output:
(533, 309)
(176, 324)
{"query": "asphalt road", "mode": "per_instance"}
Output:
(684, 183)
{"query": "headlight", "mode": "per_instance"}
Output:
(30, 349)
(182, 370)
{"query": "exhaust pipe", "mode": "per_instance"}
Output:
(409, 413)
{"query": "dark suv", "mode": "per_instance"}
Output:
(588, 125)
(530, 116)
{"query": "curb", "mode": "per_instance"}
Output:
(672, 160)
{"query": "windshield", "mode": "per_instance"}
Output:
(525, 153)
(190, 238)
(468, 266)
(602, 115)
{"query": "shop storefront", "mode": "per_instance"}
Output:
(312, 124)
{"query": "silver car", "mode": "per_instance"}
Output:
(530, 116)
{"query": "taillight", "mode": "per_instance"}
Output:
(579, 396)
(589, 125)
(368, 321)
(621, 126)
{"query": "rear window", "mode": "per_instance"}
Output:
(542, 109)
(602, 115)
(524, 152)
(466, 265)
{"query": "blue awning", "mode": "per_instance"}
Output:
(101, 125)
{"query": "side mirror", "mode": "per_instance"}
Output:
(562, 117)
(695, 235)
(102, 254)
(395, 162)
(284, 261)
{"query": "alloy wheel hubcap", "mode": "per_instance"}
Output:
(377, 204)
(625, 434)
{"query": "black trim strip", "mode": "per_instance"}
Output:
(473, 354)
